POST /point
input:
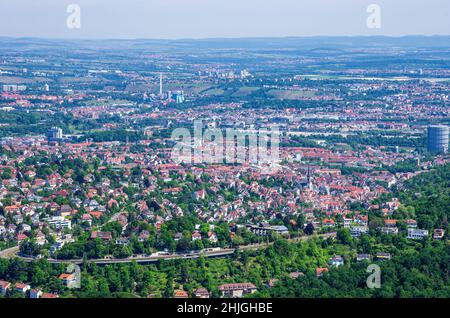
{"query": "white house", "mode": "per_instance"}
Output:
(237, 290)
(417, 234)
(337, 261)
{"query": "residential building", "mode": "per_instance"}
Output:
(237, 290)
(417, 234)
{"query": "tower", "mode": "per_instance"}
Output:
(438, 139)
(161, 85)
(309, 180)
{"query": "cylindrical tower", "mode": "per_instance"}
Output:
(438, 139)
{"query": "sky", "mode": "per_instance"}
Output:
(177, 19)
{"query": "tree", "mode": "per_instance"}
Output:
(309, 229)
(344, 236)
(183, 244)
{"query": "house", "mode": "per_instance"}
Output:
(201, 293)
(389, 230)
(25, 227)
(320, 271)
(383, 256)
(199, 195)
(347, 222)
(390, 223)
(417, 234)
(196, 236)
(178, 236)
(35, 293)
(56, 246)
(357, 231)
(295, 275)
(410, 223)
(328, 223)
(4, 286)
(59, 222)
(21, 237)
(143, 236)
(122, 241)
(438, 234)
(237, 290)
(179, 293)
(212, 237)
(362, 220)
(22, 288)
(86, 218)
(105, 236)
(69, 280)
(362, 257)
(272, 282)
(336, 261)
(48, 295)
(64, 210)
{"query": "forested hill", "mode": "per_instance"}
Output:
(429, 195)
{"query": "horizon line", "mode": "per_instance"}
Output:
(224, 37)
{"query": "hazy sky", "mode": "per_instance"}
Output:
(221, 18)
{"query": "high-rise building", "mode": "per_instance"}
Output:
(54, 134)
(178, 96)
(438, 139)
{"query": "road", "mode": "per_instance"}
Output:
(9, 252)
(12, 252)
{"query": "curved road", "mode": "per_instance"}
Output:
(12, 252)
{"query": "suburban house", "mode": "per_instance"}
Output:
(383, 256)
(417, 234)
(105, 236)
(4, 286)
(328, 223)
(295, 275)
(201, 293)
(389, 230)
(22, 288)
(196, 236)
(64, 210)
(69, 280)
(438, 234)
(212, 237)
(237, 290)
(410, 223)
(35, 293)
(48, 295)
(358, 230)
(336, 261)
(320, 271)
(179, 293)
(362, 257)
